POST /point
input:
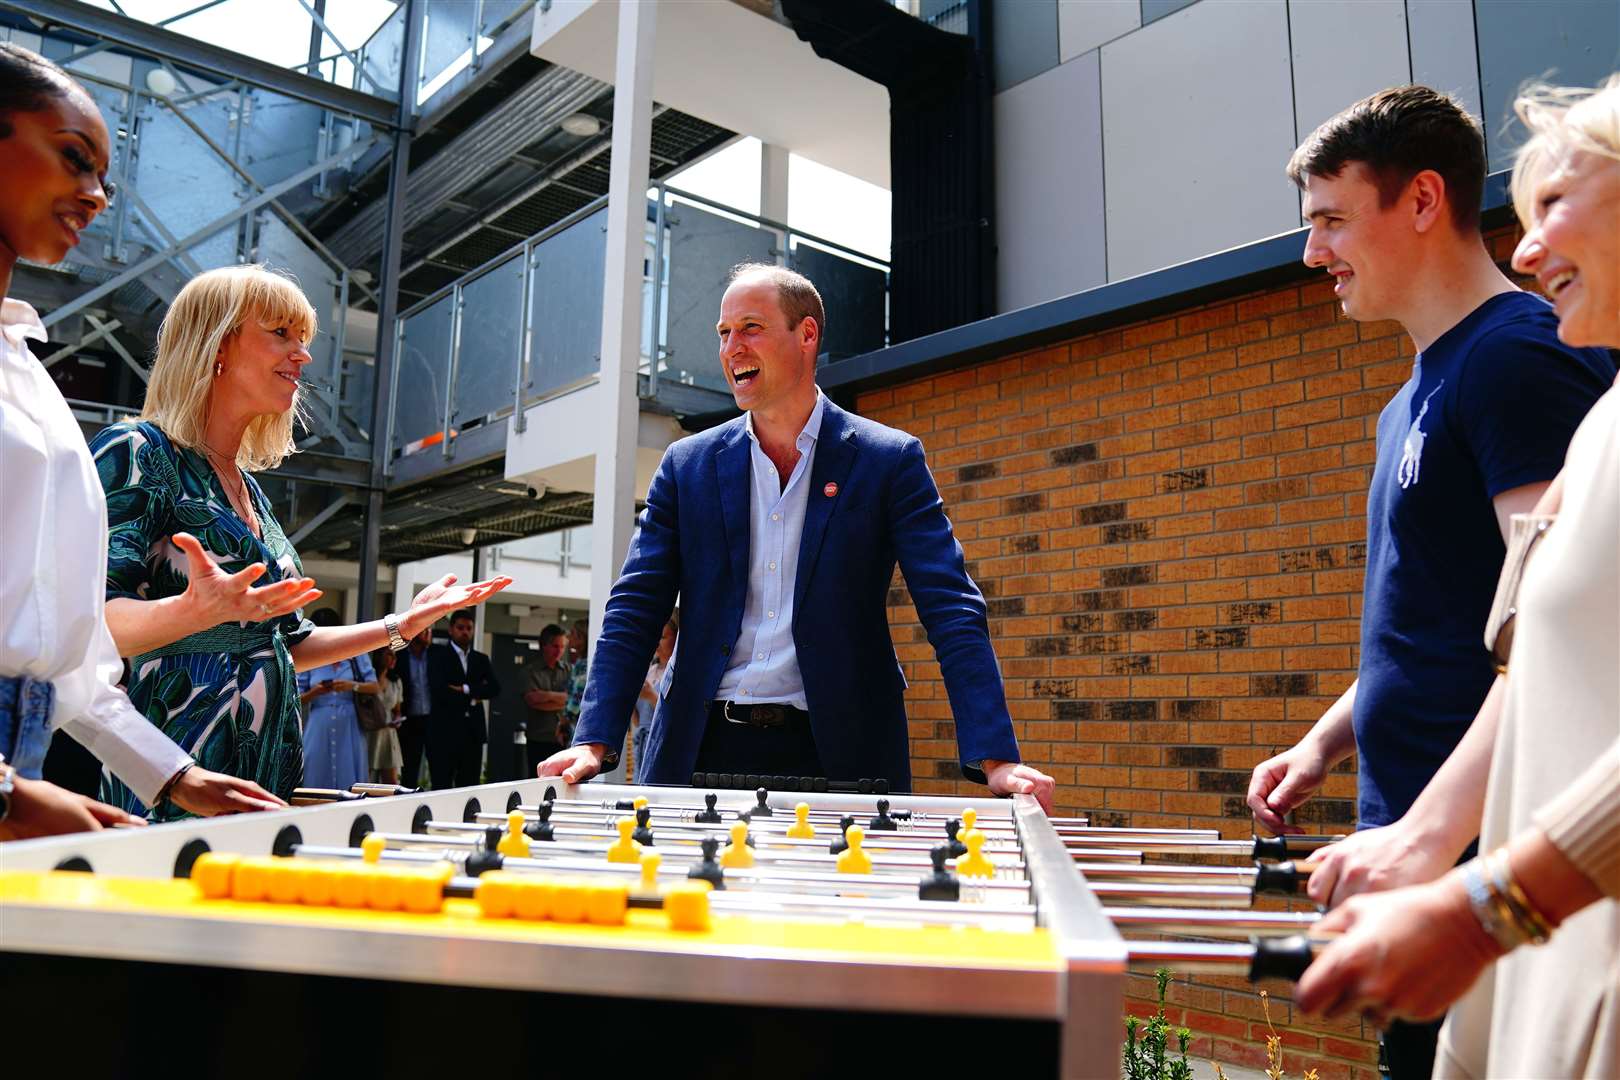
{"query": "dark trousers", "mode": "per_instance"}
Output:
(412, 741)
(1409, 1049)
(456, 764)
(738, 748)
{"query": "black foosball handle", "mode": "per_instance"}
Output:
(1281, 958)
(1281, 879)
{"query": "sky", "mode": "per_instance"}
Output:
(821, 201)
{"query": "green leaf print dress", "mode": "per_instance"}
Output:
(226, 695)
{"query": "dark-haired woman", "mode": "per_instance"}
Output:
(58, 664)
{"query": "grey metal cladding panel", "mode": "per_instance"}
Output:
(853, 295)
(384, 52)
(1049, 186)
(185, 183)
(1565, 42)
(491, 326)
(703, 247)
(424, 373)
(447, 32)
(1198, 122)
(1344, 50)
(566, 286)
(1083, 25)
(1025, 41)
(1153, 10)
(280, 139)
(1443, 52)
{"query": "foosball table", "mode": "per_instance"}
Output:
(540, 926)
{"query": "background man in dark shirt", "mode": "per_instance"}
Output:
(547, 696)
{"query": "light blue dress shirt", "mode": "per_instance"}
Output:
(764, 665)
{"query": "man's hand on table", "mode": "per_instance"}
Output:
(576, 764)
(1015, 778)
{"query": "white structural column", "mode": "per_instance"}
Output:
(613, 513)
(773, 182)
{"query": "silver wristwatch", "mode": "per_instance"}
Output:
(395, 641)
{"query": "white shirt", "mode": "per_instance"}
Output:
(53, 569)
(764, 664)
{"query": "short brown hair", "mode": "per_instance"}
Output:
(795, 292)
(1398, 133)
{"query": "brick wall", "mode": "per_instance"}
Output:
(1168, 521)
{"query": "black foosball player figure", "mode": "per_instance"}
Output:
(953, 845)
(883, 822)
(708, 815)
(541, 829)
(761, 808)
(840, 843)
(643, 832)
(709, 870)
(941, 884)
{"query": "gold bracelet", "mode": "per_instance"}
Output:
(1525, 916)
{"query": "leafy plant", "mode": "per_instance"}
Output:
(1147, 1055)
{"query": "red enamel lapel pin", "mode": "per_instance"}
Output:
(830, 490)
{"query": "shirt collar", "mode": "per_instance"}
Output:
(19, 320)
(812, 426)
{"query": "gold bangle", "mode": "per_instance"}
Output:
(1529, 920)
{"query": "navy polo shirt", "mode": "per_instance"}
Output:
(1490, 406)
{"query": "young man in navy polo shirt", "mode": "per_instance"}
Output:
(1392, 190)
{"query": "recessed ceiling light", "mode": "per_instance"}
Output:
(581, 124)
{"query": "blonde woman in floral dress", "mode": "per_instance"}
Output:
(204, 590)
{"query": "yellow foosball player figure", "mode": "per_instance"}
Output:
(738, 855)
(625, 849)
(514, 845)
(975, 863)
(801, 829)
(852, 860)
(649, 872)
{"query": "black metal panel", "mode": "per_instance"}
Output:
(853, 295)
(941, 152)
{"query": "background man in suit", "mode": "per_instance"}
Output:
(779, 532)
(417, 705)
(461, 679)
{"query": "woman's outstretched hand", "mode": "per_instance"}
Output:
(215, 597)
(444, 596)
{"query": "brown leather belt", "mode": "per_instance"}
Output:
(770, 715)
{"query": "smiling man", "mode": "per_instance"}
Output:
(779, 532)
(1392, 190)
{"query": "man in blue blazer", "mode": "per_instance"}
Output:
(779, 533)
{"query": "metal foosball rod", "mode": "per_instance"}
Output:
(1262, 958)
(1268, 879)
(1001, 896)
(817, 856)
(1261, 848)
(1203, 922)
(1159, 895)
(581, 827)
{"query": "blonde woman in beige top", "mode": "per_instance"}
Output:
(1538, 776)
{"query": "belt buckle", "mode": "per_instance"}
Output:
(725, 710)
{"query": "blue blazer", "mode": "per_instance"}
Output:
(693, 544)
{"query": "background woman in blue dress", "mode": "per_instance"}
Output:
(334, 745)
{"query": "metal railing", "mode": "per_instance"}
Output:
(526, 326)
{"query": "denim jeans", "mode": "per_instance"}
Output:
(25, 723)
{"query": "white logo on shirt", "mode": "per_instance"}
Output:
(1412, 456)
